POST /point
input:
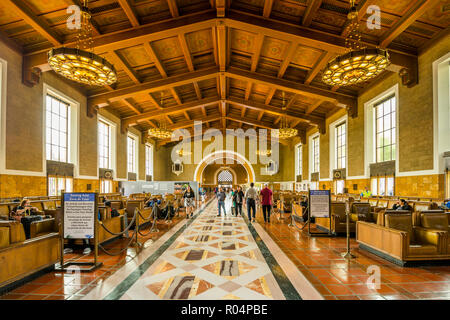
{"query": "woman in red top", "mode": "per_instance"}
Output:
(266, 202)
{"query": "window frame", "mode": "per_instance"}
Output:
(73, 128)
(341, 162)
(315, 164)
(49, 145)
(109, 146)
(382, 185)
(103, 183)
(131, 135)
(55, 179)
(299, 159)
(149, 159)
(392, 115)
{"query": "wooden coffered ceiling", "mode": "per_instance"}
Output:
(226, 62)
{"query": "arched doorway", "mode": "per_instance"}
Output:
(225, 178)
(224, 154)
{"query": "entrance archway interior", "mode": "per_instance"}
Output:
(225, 178)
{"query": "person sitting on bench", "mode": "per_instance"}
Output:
(24, 209)
(402, 205)
(114, 212)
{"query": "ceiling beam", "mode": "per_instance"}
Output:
(134, 120)
(190, 123)
(186, 52)
(258, 46)
(276, 111)
(130, 12)
(323, 60)
(175, 95)
(221, 8)
(103, 99)
(135, 36)
(288, 58)
(270, 95)
(207, 19)
(173, 7)
(222, 46)
(259, 124)
(311, 8)
(416, 11)
(313, 107)
(197, 90)
(260, 115)
(122, 64)
(268, 4)
(158, 64)
(132, 106)
(36, 22)
(291, 86)
(155, 103)
(248, 90)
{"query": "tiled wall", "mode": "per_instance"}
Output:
(20, 186)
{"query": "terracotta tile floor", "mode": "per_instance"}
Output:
(59, 286)
(319, 259)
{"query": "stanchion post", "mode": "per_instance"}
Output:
(61, 231)
(136, 229)
(348, 254)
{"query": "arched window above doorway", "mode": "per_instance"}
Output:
(225, 176)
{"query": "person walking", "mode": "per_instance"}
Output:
(189, 201)
(233, 201)
(250, 198)
(266, 202)
(239, 199)
(221, 196)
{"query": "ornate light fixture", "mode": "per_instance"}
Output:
(79, 65)
(359, 64)
(161, 132)
(285, 132)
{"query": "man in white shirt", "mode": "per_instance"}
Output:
(250, 197)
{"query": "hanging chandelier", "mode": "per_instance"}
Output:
(359, 64)
(160, 132)
(81, 64)
(285, 132)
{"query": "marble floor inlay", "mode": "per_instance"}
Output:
(213, 258)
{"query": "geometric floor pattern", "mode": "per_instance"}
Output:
(214, 258)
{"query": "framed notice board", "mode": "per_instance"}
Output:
(80, 221)
(319, 206)
(79, 215)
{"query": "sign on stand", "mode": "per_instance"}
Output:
(79, 215)
(80, 221)
(319, 207)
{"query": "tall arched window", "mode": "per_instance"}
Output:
(225, 176)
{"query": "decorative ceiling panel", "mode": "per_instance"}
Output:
(274, 48)
(438, 15)
(306, 57)
(243, 41)
(199, 41)
(135, 56)
(168, 48)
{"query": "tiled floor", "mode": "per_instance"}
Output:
(203, 267)
(214, 258)
(320, 261)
